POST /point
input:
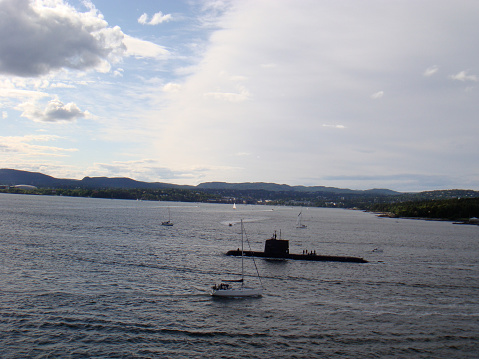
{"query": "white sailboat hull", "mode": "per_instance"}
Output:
(237, 292)
(225, 290)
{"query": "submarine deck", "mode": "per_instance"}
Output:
(304, 257)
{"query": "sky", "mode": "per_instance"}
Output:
(341, 93)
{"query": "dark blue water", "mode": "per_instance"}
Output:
(92, 278)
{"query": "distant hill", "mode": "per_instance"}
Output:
(221, 192)
(274, 187)
(12, 177)
(381, 192)
(122, 182)
(245, 186)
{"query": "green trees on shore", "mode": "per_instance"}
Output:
(451, 209)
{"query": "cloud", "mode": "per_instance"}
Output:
(377, 95)
(341, 127)
(143, 19)
(4, 115)
(28, 146)
(42, 36)
(431, 71)
(143, 170)
(241, 96)
(20, 93)
(55, 111)
(337, 55)
(463, 76)
(62, 85)
(156, 19)
(142, 48)
(118, 73)
(172, 87)
(268, 66)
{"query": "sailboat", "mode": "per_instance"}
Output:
(234, 205)
(168, 222)
(298, 221)
(227, 289)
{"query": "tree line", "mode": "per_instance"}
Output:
(450, 209)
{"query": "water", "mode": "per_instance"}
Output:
(96, 278)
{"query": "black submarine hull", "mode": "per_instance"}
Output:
(303, 257)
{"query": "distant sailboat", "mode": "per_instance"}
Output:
(225, 289)
(298, 221)
(234, 205)
(168, 222)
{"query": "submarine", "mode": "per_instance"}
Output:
(279, 249)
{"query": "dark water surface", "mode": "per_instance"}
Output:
(95, 278)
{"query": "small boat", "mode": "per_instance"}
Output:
(228, 290)
(298, 221)
(168, 223)
(234, 205)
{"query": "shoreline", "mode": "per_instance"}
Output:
(470, 221)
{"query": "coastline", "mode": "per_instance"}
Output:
(469, 221)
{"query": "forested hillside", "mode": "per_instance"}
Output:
(452, 209)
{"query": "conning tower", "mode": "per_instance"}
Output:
(274, 247)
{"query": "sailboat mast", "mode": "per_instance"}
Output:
(242, 255)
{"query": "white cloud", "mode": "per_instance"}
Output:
(55, 111)
(463, 76)
(268, 66)
(300, 66)
(143, 19)
(62, 85)
(32, 145)
(144, 170)
(21, 93)
(4, 115)
(172, 87)
(156, 19)
(118, 72)
(68, 39)
(341, 127)
(142, 48)
(241, 96)
(431, 71)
